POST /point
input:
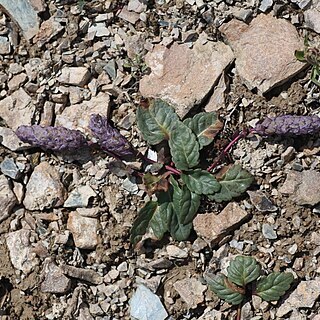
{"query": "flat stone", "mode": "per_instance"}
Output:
(175, 252)
(191, 291)
(17, 109)
(44, 189)
(213, 227)
(304, 296)
(24, 15)
(10, 169)
(312, 17)
(145, 305)
(84, 230)
(255, 47)
(10, 140)
(5, 47)
(265, 5)
(54, 279)
(77, 116)
(79, 197)
(303, 186)
(129, 16)
(49, 28)
(182, 76)
(137, 6)
(20, 250)
(99, 29)
(83, 274)
(268, 231)
(7, 198)
(78, 76)
(261, 202)
(17, 81)
(217, 100)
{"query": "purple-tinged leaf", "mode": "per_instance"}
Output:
(52, 138)
(109, 138)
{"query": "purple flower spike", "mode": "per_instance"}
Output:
(52, 138)
(288, 125)
(109, 138)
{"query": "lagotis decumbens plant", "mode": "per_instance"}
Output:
(175, 186)
(244, 279)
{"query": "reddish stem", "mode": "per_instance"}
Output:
(241, 135)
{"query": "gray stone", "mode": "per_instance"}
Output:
(213, 227)
(99, 30)
(145, 305)
(20, 250)
(10, 140)
(44, 189)
(182, 76)
(10, 169)
(265, 5)
(5, 46)
(7, 198)
(175, 252)
(137, 6)
(256, 45)
(16, 81)
(77, 116)
(130, 186)
(268, 231)
(303, 4)
(261, 202)
(79, 197)
(191, 291)
(304, 296)
(78, 76)
(54, 279)
(84, 230)
(129, 16)
(312, 18)
(210, 314)
(17, 109)
(82, 274)
(242, 14)
(24, 15)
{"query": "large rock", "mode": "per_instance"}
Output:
(312, 17)
(264, 51)
(213, 227)
(24, 15)
(78, 76)
(17, 109)
(77, 116)
(182, 76)
(7, 198)
(44, 189)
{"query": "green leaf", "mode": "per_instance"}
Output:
(201, 182)
(156, 121)
(224, 289)
(184, 147)
(205, 125)
(233, 183)
(243, 270)
(300, 56)
(272, 287)
(185, 203)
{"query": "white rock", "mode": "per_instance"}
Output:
(265, 5)
(99, 29)
(176, 252)
(44, 189)
(79, 197)
(78, 76)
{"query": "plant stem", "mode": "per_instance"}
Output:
(241, 135)
(239, 311)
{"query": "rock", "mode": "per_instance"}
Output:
(5, 47)
(265, 5)
(134, 44)
(130, 185)
(184, 77)
(7, 198)
(49, 28)
(122, 267)
(54, 280)
(256, 46)
(78, 76)
(17, 81)
(24, 15)
(78, 116)
(20, 250)
(10, 169)
(99, 30)
(38, 5)
(84, 230)
(145, 305)
(83, 274)
(191, 291)
(304, 296)
(242, 14)
(312, 17)
(44, 189)
(175, 252)
(126, 15)
(137, 6)
(209, 314)
(17, 109)
(303, 4)
(217, 100)
(303, 186)
(261, 202)
(268, 231)
(10, 140)
(213, 227)
(79, 197)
